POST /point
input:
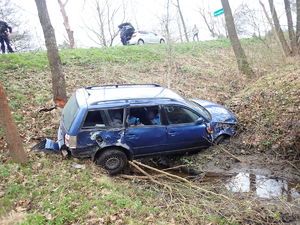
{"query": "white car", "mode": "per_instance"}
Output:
(144, 37)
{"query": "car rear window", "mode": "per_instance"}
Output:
(70, 111)
(104, 118)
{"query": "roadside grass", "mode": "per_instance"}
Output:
(49, 191)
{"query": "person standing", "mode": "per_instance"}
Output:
(195, 33)
(5, 30)
(126, 31)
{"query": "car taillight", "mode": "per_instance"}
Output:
(70, 141)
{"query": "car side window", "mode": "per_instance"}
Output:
(144, 116)
(116, 117)
(94, 119)
(180, 115)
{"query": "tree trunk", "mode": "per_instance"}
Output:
(242, 62)
(179, 29)
(168, 21)
(13, 138)
(70, 33)
(182, 21)
(101, 23)
(284, 45)
(292, 35)
(58, 79)
(271, 23)
(298, 25)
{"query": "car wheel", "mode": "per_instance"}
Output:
(162, 41)
(112, 160)
(222, 139)
(140, 42)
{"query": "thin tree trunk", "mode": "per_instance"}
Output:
(101, 23)
(298, 25)
(278, 30)
(271, 24)
(242, 62)
(182, 21)
(168, 20)
(70, 33)
(13, 138)
(179, 29)
(58, 79)
(292, 35)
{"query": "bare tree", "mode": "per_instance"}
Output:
(292, 35)
(165, 22)
(70, 33)
(284, 45)
(105, 31)
(214, 26)
(13, 138)
(179, 29)
(240, 55)
(298, 24)
(182, 20)
(58, 79)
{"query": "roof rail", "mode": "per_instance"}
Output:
(123, 85)
(131, 99)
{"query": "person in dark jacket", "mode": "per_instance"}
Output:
(5, 30)
(126, 31)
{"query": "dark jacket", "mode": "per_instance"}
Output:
(4, 28)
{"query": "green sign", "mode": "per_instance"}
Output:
(219, 12)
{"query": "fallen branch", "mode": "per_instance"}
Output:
(292, 165)
(233, 156)
(133, 177)
(174, 168)
(47, 109)
(178, 178)
(149, 176)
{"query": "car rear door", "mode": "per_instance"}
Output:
(183, 133)
(144, 135)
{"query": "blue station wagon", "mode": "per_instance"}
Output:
(116, 123)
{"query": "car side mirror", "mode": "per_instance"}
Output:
(199, 121)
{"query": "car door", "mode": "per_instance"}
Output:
(145, 133)
(155, 38)
(100, 120)
(182, 130)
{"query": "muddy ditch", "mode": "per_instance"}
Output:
(269, 182)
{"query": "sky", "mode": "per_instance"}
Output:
(143, 14)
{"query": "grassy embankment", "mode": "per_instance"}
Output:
(48, 190)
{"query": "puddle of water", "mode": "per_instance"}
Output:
(260, 185)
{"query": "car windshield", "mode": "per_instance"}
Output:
(199, 108)
(70, 112)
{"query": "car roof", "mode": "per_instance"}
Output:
(128, 93)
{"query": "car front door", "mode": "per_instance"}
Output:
(183, 133)
(145, 133)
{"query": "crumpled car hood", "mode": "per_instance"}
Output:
(218, 112)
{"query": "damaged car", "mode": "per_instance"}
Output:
(116, 123)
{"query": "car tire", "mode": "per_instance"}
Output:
(221, 139)
(162, 41)
(140, 42)
(112, 160)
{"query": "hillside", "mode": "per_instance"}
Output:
(49, 190)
